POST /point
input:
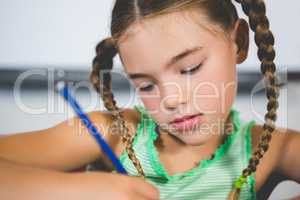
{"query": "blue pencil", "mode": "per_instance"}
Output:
(64, 92)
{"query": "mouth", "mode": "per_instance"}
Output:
(186, 122)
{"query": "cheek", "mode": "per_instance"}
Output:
(151, 102)
(151, 105)
(215, 93)
(153, 108)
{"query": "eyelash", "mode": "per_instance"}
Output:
(189, 72)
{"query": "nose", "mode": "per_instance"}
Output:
(173, 96)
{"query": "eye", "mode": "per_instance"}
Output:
(146, 88)
(191, 71)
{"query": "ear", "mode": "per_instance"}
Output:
(241, 37)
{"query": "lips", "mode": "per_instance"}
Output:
(187, 122)
(183, 118)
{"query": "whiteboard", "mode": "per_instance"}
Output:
(63, 33)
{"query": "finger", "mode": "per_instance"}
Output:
(142, 197)
(148, 190)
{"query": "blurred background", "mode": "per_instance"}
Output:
(43, 42)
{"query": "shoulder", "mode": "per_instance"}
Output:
(278, 134)
(279, 156)
(103, 120)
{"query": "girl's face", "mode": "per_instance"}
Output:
(180, 67)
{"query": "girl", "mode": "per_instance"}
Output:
(186, 141)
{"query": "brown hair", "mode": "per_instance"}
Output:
(125, 13)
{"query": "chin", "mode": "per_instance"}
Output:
(192, 138)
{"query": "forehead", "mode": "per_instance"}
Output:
(152, 42)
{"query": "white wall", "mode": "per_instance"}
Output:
(63, 33)
(52, 32)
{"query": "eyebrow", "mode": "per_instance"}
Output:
(172, 61)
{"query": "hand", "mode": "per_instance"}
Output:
(121, 187)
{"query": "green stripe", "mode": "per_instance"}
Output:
(249, 153)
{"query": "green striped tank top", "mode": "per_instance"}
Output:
(212, 179)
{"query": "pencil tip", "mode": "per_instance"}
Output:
(60, 85)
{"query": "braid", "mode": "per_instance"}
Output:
(264, 39)
(105, 51)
